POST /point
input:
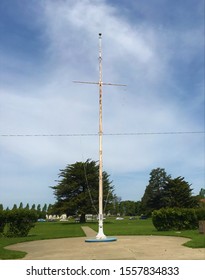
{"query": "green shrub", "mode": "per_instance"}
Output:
(175, 219)
(19, 222)
(200, 213)
(2, 221)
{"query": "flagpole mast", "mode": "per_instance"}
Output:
(100, 237)
(100, 234)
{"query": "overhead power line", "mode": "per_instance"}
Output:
(105, 134)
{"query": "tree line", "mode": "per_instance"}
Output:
(41, 211)
(76, 194)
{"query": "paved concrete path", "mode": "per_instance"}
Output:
(89, 232)
(125, 248)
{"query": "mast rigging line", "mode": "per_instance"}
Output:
(105, 134)
(88, 187)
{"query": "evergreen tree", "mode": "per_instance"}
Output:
(33, 207)
(14, 207)
(202, 193)
(77, 190)
(177, 193)
(27, 206)
(38, 208)
(163, 191)
(21, 205)
(152, 198)
(50, 209)
(44, 209)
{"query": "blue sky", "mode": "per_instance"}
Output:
(156, 47)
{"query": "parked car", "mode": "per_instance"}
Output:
(41, 220)
(143, 217)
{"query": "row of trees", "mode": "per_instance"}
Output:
(41, 212)
(117, 207)
(33, 207)
(76, 192)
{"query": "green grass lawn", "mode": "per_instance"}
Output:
(145, 227)
(51, 230)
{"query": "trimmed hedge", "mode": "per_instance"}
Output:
(17, 222)
(177, 218)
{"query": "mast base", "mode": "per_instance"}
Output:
(101, 235)
(106, 239)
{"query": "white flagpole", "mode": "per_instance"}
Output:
(100, 234)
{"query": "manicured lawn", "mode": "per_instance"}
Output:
(51, 230)
(145, 227)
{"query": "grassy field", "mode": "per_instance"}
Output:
(51, 230)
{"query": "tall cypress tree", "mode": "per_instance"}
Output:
(152, 198)
(178, 193)
(77, 189)
(163, 191)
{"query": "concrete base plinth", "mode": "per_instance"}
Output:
(107, 239)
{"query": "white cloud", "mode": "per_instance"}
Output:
(139, 55)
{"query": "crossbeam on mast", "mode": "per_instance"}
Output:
(100, 235)
(97, 83)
